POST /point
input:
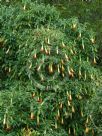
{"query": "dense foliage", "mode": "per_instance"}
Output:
(87, 11)
(48, 72)
(94, 110)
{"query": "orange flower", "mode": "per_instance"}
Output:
(32, 116)
(86, 130)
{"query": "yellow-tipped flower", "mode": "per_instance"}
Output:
(92, 40)
(30, 66)
(46, 51)
(56, 125)
(82, 113)
(8, 127)
(67, 93)
(24, 7)
(69, 131)
(8, 51)
(71, 51)
(79, 73)
(38, 120)
(85, 75)
(32, 116)
(42, 78)
(73, 110)
(9, 70)
(70, 97)
(48, 41)
(58, 113)
(79, 97)
(62, 61)
(57, 50)
(62, 68)
(94, 61)
(83, 47)
(66, 57)
(63, 45)
(38, 68)
(58, 69)
(62, 74)
(87, 130)
(5, 119)
(35, 56)
(72, 70)
(74, 25)
(42, 48)
(92, 76)
(61, 105)
(69, 103)
(87, 120)
(62, 121)
(50, 68)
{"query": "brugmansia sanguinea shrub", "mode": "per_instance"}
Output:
(13, 22)
(50, 64)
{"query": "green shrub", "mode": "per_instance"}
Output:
(51, 71)
(15, 20)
